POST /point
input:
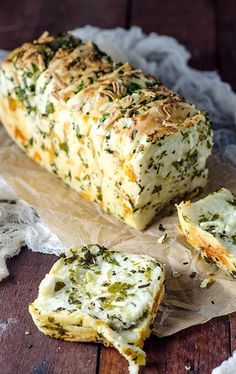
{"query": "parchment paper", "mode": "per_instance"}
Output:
(76, 221)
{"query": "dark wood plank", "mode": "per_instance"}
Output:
(227, 40)
(194, 25)
(195, 350)
(232, 320)
(23, 353)
(24, 20)
(111, 362)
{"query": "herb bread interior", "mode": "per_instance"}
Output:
(92, 294)
(117, 136)
(209, 225)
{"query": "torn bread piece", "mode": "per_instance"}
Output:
(92, 294)
(209, 225)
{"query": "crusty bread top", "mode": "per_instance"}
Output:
(84, 78)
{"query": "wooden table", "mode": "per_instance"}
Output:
(208, 29)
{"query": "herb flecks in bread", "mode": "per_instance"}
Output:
(209, 225)
(92, 294)
(120, 138)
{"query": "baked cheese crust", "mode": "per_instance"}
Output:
(120, 138)
(92, 294)
(209, 225)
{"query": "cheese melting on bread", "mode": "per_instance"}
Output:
(92, 294)
(209, 225)
(118, 137)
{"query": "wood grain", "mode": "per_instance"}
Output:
(24, 20)
(232, 325)
(226, 36)
(23, 353)
(193, 25)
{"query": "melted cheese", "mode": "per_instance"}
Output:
(210, 224)
(93, 294)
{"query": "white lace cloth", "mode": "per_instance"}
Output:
(20, 225)
(227, 367)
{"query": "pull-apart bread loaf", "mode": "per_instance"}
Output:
(209, 225)
(92, 294)
(118, 137)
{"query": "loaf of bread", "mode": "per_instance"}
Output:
(209, 225)
(118, 137)
(92, 294)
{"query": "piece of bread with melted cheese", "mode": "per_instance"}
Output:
(92, 294)
(120, 138)
(209, 225)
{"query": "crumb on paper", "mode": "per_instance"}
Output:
(210, 274)
(185, 263)
(161, 227)
(175, 274)
(206, 283)
(162, 239)
(193, 274)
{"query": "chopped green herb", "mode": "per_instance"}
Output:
(162, 239)
(59, 286)
(206, 283)
(20, 93)
(157, 189)
(64, 147)
(132, 87)
(79, 88)
(193, 274)
(34, 68)
(134, 133)
(50, 108)
(144, 285)
(104, 117)
(161, 227)
(119, 286)
(151, 84)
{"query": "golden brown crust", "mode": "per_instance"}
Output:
(213, 247)
(212, 251)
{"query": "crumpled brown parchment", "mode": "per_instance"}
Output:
(76, 221)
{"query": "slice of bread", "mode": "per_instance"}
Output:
(92, 294)
(209, 225)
